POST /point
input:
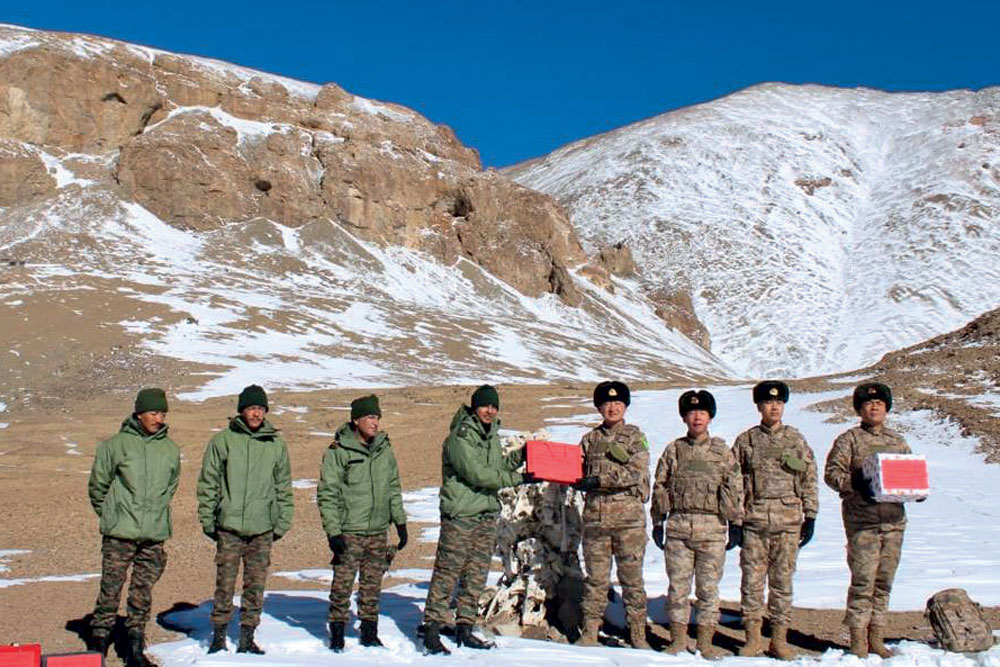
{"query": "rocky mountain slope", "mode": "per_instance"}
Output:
(174, 219)
(810, 229)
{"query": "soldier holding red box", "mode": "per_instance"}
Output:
(874, 529)
(616, 483)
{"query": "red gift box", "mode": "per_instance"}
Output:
(897, 478)
(554, 461)
(83, 659)
(21, 655)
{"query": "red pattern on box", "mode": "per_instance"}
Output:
(897, 477)
(24, 655)
(85, 659)
(554, 461)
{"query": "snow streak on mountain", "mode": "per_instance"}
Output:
(814, 228)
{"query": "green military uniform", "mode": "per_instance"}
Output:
(473, 470)
(245, 500)
(133, 479)
(359, 496)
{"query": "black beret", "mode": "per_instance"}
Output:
(770, 390)
(869, 391)
(611, 391)
(696, 400)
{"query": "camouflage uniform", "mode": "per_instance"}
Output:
(464, 553)
(614, 520)
(370, 555)
(148, 560)
(254, 551)
(874, 530)
(779, 482)
(698, 488)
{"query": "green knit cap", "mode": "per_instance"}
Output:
(364, 407)
(150, 399)
(250, 396)
(485, 395)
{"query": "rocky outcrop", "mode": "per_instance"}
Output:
(201, 143)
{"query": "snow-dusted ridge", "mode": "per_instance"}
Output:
(815, 228)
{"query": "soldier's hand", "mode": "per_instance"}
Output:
(591, 483)
(735, 536)
(806, 534)
(658, 535)
(338, 544)
(211, 533)
(861, 484)
(529, 478)
(403, 536)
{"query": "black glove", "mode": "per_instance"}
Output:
(276, 536)
(587, 484)
(920, 500)
(403, 537)
(808, 528)
(529, 478)
(862, 486)
(338, 544)
(658, 534)
(211, 533)
(735, 536)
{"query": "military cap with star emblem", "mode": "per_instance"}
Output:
(871, 391)
(770, 390)
(696, 400)
(611, 391)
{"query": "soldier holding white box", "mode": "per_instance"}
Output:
(874, 529)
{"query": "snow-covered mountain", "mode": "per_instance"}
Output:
(814, 228)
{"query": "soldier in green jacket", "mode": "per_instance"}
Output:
(132, 482)
(473, 470)
(359, 495)
(244, 505)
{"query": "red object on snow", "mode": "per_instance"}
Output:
(897, 478)
(85, 659)
(20, 655)
(554, 461)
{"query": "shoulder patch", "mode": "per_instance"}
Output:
(462, 430)
(644, 443)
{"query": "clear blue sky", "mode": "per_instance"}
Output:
(518, 79)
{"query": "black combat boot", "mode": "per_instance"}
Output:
(432, 640)
(218, 639)
(247, 644)
(99, 641)
(369, 634)
(136, 651)
(336, 636)
(464, 637)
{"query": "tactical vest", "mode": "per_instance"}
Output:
(694, 485)
(771, 474)
(598, 461)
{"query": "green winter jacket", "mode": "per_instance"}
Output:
(133, 480)
(245, 485)
(359, 491)
(473, 467)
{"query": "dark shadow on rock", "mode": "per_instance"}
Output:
(119, 633)
(308, 613)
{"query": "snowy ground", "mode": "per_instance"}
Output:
(952, 540)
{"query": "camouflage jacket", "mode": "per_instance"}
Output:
(697, 479)
(848, 454)
(619, 458)
(779, 477)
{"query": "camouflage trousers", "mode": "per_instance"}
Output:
(703, 560)
(628, 547)
(769, 555)
(464, 553)
(255, 554)
(148, 559)
(872, 556)
(371, 554)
